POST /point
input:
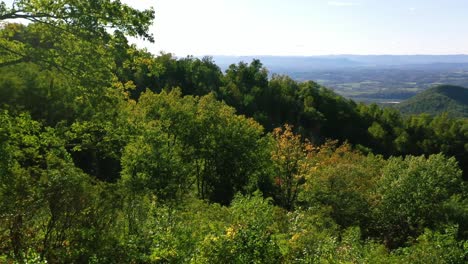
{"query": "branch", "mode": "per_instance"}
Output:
(13, 62)
(11, 51)
(25, 15)
(27, 58)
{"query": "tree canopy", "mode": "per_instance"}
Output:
(111, 154)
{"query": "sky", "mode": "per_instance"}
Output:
(307, 27)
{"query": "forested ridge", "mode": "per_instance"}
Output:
(444, 98)
(111, 154)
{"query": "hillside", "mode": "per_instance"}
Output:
(445, 98)
(111, 154)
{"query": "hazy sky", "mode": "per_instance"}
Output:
(308, 27)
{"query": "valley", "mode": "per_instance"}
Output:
(384, 80)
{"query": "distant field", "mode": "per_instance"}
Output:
(385, 85)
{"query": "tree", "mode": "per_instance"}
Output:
(199, 142)
(292, 165)
(85, 17)
(154, 158)
(229, 151)
(342, 181)
(42, 194)
(244, 85)
(249, 238)
(61, 30)
(413, 194)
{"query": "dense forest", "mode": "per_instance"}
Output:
(111, 154)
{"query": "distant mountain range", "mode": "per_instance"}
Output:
(445, 98)
(281, 64)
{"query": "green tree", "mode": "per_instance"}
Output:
(194, 142)
(412, 195)
(249, 239)
(229, 151)
(43, 195)
(243, 85)
(87, 20)
(155, 157)
(435, 247)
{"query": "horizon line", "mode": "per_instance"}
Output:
(326, 55)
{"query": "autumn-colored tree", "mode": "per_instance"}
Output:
(292, 162)
(343, 180)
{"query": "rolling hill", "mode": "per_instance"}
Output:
(445, 98)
